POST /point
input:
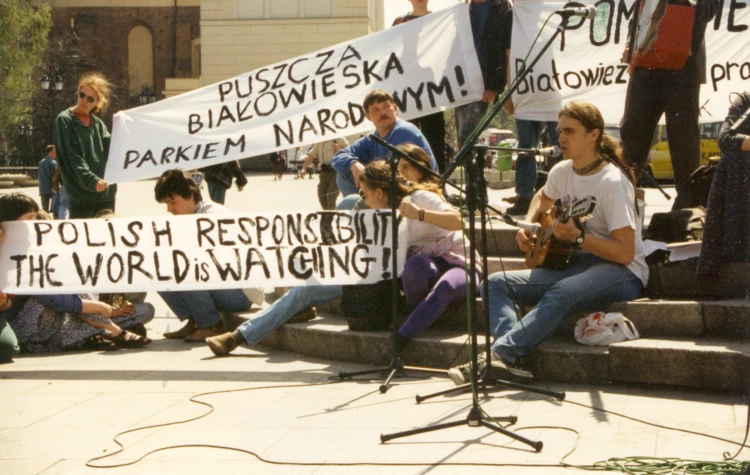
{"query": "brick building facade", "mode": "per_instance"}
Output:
(159, 36)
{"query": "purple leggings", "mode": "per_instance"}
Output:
(430, 284)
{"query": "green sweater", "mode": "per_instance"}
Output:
(82, 157)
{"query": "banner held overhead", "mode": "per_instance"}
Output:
(584, 64)
(428, 64)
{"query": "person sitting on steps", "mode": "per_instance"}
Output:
(607, 265)
(198, 308)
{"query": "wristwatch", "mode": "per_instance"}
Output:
(580, 238)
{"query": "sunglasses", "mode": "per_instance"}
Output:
(83, 95)
(362, 194)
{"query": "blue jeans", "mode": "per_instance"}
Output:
(144, 313)
(528, 137)
(203, 306)
(345, 181)
(587, 285)
(289, 305)
(217, 192)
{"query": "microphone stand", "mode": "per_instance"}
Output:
(475, 171)
(396, 366)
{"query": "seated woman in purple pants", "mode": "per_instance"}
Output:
(435, 271)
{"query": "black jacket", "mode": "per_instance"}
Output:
(222, 173)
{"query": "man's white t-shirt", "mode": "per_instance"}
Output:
(615, 204)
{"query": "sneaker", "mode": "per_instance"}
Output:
(223, 344)
(462, 374)
(515, 369)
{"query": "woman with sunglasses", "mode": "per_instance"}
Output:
(434, 275)
(82, 144)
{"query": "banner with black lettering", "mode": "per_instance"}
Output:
(584, 63)
(428, 64)
(201, 251)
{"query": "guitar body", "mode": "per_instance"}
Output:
(548, 252)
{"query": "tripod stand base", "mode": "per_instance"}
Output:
(474, 419)
(395, 368)
(493, 383)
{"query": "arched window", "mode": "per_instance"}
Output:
(140, 59)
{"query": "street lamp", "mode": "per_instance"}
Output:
(51, 83)
(147, 95)
(25, 130)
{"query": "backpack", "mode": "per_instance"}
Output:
(699, 184)
(677, 226)
(368, 307)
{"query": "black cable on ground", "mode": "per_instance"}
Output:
(630, 465)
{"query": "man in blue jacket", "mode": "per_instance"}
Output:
(47, 168)
(381, 111)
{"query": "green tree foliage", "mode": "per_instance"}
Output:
(24, 28)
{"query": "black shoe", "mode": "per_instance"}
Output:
(462, 374)
(515, 369)
(521, 207)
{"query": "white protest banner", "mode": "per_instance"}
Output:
(428, 64)
(584, 61)
(200, 251)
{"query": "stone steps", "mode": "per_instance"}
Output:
(728, 319)
(692, 344)
(715, 363)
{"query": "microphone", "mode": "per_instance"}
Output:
(740, 122)
(587, 12)
(533, 228)
(553, 152)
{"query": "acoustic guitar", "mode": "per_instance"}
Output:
(548, 252)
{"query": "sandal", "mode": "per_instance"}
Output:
(125, 339)
(100, 343)
(138, 329)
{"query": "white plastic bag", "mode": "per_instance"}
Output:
(255, 295)
(600, 329)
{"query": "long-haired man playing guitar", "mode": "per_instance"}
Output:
(607, 264)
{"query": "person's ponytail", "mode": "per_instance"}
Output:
(611, 151)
